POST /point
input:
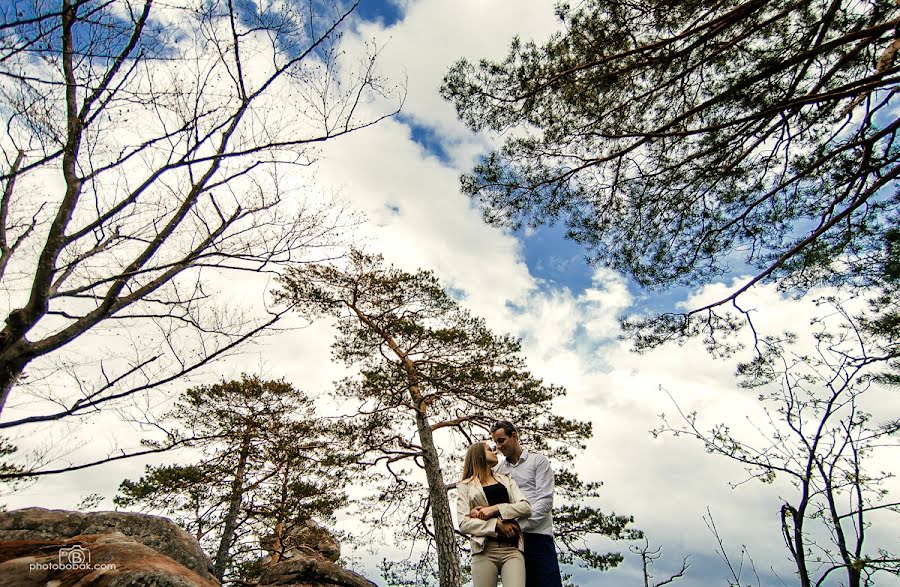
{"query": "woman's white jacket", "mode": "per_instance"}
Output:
(469, 494)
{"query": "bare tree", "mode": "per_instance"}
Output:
(736, 568)
(651, 555)
(150, 151)
(819, 436)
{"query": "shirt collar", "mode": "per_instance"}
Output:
(522, 457)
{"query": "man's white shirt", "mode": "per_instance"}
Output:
(534, 477)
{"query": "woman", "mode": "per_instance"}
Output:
(488, 505)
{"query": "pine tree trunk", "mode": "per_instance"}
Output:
(234, 507)
(449, 573)
(445, 538)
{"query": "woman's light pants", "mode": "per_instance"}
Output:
(498, 560)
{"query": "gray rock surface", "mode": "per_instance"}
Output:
(311, 571)
(101, 560)
(158, 533)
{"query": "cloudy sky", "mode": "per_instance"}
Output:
(403, 175)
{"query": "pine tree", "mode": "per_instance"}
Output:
(684, 141)
(427, 367)
(264, 459)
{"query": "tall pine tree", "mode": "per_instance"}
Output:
(430, 377)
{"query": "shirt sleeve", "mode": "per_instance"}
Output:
(472, 526)
(542, 497)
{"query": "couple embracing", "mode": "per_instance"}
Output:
(506, 510)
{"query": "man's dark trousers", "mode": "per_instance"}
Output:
(541, 565)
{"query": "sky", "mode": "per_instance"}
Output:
(402, 174)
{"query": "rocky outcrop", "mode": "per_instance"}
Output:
(41, 547)
(114, 560)
(300, 538)
(304, 554)
(107, 549)
(310, 571)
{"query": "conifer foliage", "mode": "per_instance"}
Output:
(682, 141)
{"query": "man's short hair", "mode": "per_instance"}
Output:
(506, 425)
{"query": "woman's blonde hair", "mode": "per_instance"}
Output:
(475, 463)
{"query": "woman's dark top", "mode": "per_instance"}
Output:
(496, 493)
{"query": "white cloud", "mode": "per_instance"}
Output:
(667, 482)
(434, 34)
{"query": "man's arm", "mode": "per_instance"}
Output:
(518, 507)
(542, 498)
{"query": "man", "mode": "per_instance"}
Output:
(534, 476)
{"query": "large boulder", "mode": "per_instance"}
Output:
(160, 534)
(101, 560)
(304, 554)
(301, 538)
(40, 547)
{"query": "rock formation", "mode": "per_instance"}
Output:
(40, 547)
(303, 554)
(55, 547)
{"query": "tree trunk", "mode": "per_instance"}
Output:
(449, 574)
(799, 552)
(12, 365)
(22, 320)
(234, 507)
(444, 536)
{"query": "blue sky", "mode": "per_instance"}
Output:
(548, 254)
(380, 11)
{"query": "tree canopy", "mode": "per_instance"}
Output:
(683, 141)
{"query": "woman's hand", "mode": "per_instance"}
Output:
(484, 512)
